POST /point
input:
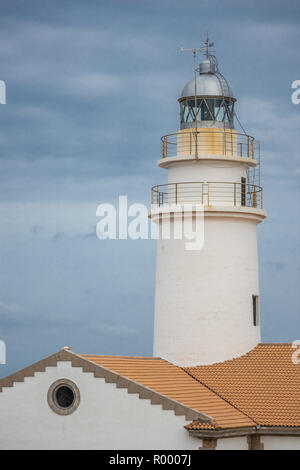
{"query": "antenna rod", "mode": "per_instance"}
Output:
(196, 102)
(194, 51)
(205, 50)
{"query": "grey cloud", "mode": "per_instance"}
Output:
(36, 229)
(58, 236)
(90, 91)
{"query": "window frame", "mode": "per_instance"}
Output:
(51, 399)
(219, 109)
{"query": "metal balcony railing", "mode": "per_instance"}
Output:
(227, 143)
(208, 194)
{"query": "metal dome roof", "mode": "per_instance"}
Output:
(208, 82)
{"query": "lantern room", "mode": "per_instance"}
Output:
(207, 100)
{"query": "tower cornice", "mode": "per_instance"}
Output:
(168, 161)
(250, 213)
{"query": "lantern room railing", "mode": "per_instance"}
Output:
(226, 142)
(208, 194)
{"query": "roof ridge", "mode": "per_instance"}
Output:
(220, 396)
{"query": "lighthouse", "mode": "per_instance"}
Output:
(207, 300)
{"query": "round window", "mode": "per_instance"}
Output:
(63, 397)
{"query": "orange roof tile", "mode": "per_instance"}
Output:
(197, 426)
(172, 381)
(263, 384)
(261, 387)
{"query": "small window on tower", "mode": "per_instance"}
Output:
(243, 191)
(255, 306)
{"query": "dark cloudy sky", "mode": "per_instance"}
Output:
(91, 87)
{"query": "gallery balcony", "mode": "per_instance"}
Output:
(208, 194)
(225, 143)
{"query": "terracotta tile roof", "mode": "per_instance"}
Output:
(262, 387)
(197, 426)
(264, 384)
(172, 381)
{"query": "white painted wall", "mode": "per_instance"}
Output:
(203, 298)
(233, 443)
(219, 178)
(204, 170)
(281, 442)
(107, 417)
(270, 443)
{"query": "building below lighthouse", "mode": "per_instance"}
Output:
(212, 384)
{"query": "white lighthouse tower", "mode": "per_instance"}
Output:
(207, 300)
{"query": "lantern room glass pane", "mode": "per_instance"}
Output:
(207, 109)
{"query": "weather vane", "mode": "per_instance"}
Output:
(205, 49)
